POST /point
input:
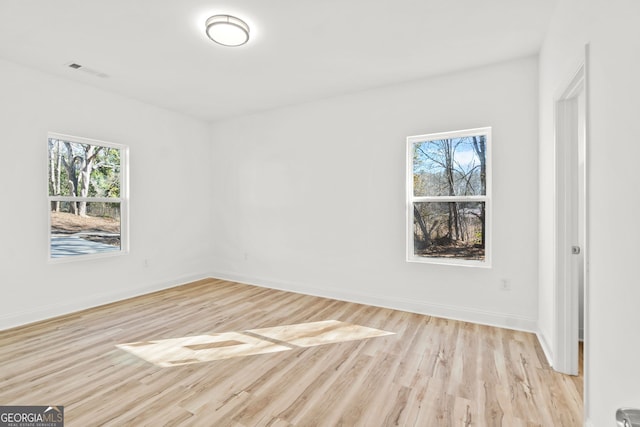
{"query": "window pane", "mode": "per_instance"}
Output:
(449, 230)
(83, 170)
(72, 234)
(450, 167)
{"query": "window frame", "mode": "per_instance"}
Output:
(411, 198)
(123, 199)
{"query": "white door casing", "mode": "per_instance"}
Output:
(570, 221)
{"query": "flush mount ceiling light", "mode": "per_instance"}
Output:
(227, 30)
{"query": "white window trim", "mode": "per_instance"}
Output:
(411, 199)
(123, 200)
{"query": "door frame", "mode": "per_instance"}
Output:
(567, 210)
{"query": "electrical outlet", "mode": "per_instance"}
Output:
(505, 285)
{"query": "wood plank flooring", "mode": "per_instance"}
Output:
(429, 372)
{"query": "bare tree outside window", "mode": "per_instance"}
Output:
(448, 197)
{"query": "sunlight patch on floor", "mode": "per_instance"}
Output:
(318, 333)
(207, 348)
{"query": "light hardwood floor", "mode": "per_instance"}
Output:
(429, 372)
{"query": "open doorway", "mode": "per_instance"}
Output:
(571, 219)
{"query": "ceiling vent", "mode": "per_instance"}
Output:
(91, 71)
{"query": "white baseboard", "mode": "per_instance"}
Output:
(466, 314)
(588, 423)
(422, 307)
(545, 347)
(35, 314)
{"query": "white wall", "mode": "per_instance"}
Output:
(614, 372)
(311, 198)
(610, 27)
(560, 59)
(169, 203)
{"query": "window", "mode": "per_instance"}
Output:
(87, 197)
(448, 197)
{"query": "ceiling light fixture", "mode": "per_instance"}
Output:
(227, 30)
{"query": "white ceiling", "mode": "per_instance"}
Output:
(156, 50)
